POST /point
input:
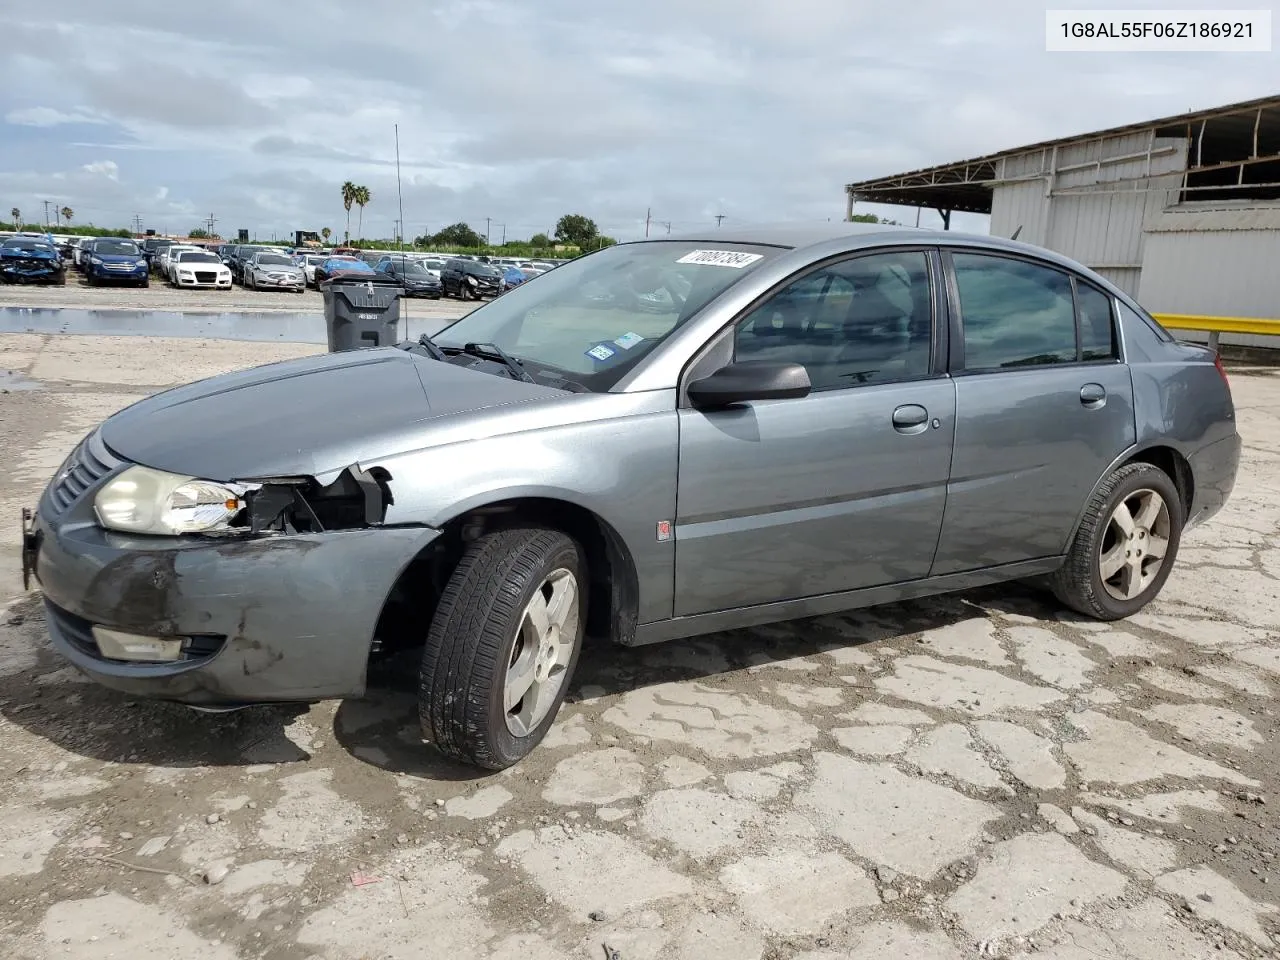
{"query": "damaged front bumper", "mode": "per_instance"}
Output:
(269, 618)
(30, 270)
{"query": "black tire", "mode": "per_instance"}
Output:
(145, 283)
(1078, 583)
(472, 639)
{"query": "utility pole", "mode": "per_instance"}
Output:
(46, 213)
(647, 215)
(137, 223)
(210, 220)
(487, 221)
(719, 217)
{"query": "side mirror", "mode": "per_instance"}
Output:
(750, 380)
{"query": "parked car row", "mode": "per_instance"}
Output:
(45, 258)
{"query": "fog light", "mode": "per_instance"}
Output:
(118, 645)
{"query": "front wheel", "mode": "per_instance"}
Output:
(1125, 547)
(503, 646)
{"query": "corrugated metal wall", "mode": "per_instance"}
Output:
(1222, 263)
(1091, 200)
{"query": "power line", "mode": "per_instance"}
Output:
(719, 217)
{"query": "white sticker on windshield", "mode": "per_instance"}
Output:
(721, 258)
(629, 340)
(600, 352)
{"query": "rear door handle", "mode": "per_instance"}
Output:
(910, 418)
(1093, 395)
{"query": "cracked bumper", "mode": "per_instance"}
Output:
(278, 618)
(1213, 470)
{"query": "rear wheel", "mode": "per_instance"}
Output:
(503, 646)
(1125, 547)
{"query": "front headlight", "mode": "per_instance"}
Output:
(140, 263)
(471, 280)
(142, 500)
(96, 261)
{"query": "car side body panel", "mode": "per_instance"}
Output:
(1027, 454)
(612, 454)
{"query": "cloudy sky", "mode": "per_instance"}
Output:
(520, 110)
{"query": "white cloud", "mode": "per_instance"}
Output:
(105, 168)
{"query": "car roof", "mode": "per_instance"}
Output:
(829, 235)
(794, 235)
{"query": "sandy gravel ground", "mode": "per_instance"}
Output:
(976, 775)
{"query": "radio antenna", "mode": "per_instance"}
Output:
(400, 233)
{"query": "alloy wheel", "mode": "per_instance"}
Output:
(1134, 544)
(543, 649)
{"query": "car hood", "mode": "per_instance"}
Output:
(118, 257)
(312, 416)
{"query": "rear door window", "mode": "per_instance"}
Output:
(1015, 313)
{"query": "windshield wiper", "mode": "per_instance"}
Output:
(491, 351)
(430, 346)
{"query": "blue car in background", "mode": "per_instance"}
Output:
(512, 277)
(113, 260)
(26, 259)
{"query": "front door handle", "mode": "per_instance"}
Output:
(910, 418)
(1093, 395)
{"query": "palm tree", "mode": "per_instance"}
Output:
(363, 196)
(67, 214)
(348, 198)
(16, 214)
(325, 234)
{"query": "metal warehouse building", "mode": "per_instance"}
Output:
(1182, 212)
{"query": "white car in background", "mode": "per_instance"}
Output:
(198, 268)
(432, 266)
(167, 254)
(308, 262)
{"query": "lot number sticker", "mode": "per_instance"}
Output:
(721, 258)
(600, 352)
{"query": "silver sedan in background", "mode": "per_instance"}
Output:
(274, 271)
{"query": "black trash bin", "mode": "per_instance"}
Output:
(361, 313)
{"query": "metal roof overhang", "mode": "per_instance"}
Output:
(1230, 138)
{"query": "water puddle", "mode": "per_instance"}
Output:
(11, 382)
(290, 327)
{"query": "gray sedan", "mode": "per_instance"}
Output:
(657, 440)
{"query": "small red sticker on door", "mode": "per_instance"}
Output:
(664, 529)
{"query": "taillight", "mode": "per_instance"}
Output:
(1222, 371)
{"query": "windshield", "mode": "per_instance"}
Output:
(479, 269)
(191, 256)
(594, 319)
(436, 265)
(116, 248)
(274, 260)
(28, 246)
